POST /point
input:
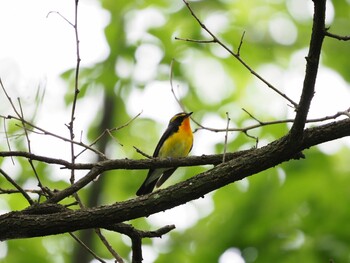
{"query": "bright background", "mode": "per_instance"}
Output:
(295, 211)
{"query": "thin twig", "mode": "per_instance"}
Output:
(12, 191)
(142, 153)
(225, 142)
(172, 86)
(7, 141)
(240, 44)
(266, 123)
(256, 139)
(236, 55)
(76, 89)
(331, 35)
(40, 185)
(86, 247)
(9, 99)
(62, 16)
(23, 125)
(19, 188)
(195, 40)
(109, 131)
(46, 132)
(99, 234)
(44, 159)
(108, 246)
(173, 91)
(251, 116)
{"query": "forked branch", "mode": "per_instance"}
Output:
(236, 55)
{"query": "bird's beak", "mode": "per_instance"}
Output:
(189, 114)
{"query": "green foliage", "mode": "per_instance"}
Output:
(294, 213)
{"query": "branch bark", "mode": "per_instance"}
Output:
(313, 57)
(48, 219)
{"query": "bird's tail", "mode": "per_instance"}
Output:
(146, 188)
(165, 176)
(150, 182)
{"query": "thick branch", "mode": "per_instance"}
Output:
(137, 235)
(312, 59)
(39, 222)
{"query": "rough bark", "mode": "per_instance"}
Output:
(49, 219)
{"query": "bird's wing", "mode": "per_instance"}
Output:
(168, 132)
(154, 174)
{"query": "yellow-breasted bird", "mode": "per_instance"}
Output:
(176, 141)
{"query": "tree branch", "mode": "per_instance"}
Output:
(49, 219)
(136, 237)
(235, 55)
(312, 64)
(331, 35)
(128, 164)
(19, 189)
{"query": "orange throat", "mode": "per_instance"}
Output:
(186, 126)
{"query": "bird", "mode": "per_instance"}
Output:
(176, 141)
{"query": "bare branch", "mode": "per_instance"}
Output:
(86, 247)
(9, 99)
(109, 131)
(46, 132)
(143, 153)
(251, 116)
(19, 188)
(12, 191)
(240, 44)
(235, 55)
(196, 40)
(99, 234)
(43, 159)
(62, 16)
(38, 221)
(43, 189)
(136, 236)
(312, 63)
(331, 35)
(76, 89)
(108, 246)
(225, 142)
(172, 86)
(7, 139)
(266, 123)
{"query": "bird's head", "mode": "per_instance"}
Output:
(180, 117)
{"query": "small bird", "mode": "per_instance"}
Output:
(176, 141)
